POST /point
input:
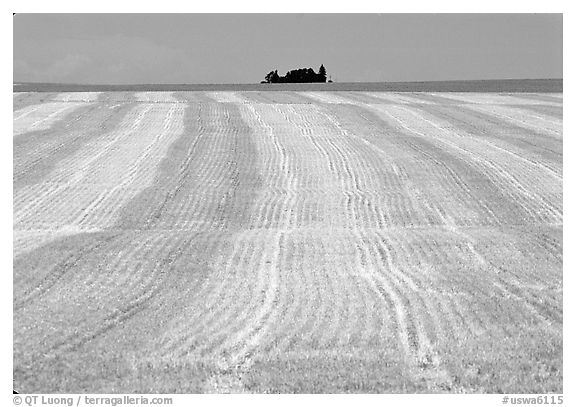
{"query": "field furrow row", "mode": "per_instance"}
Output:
(284, 241)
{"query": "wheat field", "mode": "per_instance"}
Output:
(287, 241)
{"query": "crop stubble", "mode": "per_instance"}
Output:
(287, 242)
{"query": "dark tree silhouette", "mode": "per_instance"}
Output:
(322, 74)
(302, 75)
(268, 77)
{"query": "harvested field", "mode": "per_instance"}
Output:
(287, 241)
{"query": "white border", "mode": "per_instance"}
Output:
(293, 6)
(405, 6)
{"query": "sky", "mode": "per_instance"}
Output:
(243, 48)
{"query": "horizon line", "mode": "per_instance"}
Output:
(293, 83)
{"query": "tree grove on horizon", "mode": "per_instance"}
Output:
(302, 75)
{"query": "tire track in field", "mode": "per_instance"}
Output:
(535, 280)
(221, 148)
(547, 191)
(114, 322)
(320, 323)
(438, 210)
(226, 97)
(237, 352)
(336, 97)
(189, 97)
(41, 117)
(532, 200)
(437, 261)
(137, 165)
(114, 98)
(371, 172)
(479, 98)
(273, 97)
(404, 279)
(324, 325)
(535, 147)
(502, 281)
(541, 98)
(411, 262)
(547, 111)
(136, 161)
(54, 277)
(175, 171)
(280, 151)
(31, 287)
(420, 358)
(218, 312)
(25, 112)
(71, 172)
(78, 97)
(284, 167)
(22, 100)
(423, 255)
(549, 125)
(129, 297)
(36, 154)
(362, 168)
(511, 287)
(278, 115)
(362, 98)
(444, 380)
(296, 288)
(328, 325)
(406, 155)
(223, 314)
(404, 98)
(497, 106)
(334, 158)
(102, 291)
(214, 178)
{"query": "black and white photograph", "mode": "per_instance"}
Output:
(287, 203)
